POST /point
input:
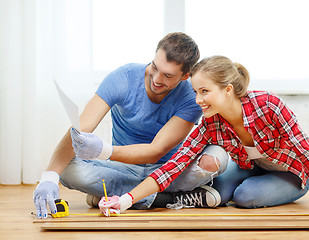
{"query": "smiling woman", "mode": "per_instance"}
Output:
(256, 129)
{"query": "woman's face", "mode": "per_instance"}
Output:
(209, 96)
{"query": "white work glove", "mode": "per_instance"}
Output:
(89, 146)
(45, 193)
(115, 204)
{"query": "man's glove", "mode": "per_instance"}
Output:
(89, 146)
(45, 193)
(115, 204)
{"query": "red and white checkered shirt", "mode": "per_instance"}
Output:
(274, 129)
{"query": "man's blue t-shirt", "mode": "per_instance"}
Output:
(135, 118)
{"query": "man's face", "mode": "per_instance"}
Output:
(163, 75)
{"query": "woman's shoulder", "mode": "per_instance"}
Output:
(260, 97)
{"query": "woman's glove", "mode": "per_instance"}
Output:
(89, 146)
(115, 204)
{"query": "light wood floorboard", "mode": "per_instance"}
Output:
(16, 222)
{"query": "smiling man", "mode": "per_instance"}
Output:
(152, 108)
(163, 75)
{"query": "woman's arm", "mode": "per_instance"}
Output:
(288, 127)
(161, 178)
(146, 188)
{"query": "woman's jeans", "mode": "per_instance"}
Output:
(86, 176)
(258, 187)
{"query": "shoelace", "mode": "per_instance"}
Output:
(189, 200)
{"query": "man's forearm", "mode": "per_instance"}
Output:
(170, 135)
(137, 154)
(62, 155)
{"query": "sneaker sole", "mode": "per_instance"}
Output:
(92, 200)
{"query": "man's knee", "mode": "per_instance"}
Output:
(74, 175)
(214, 158)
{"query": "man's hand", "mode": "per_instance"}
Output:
(45, 193)
(90, 146)
(115, 204)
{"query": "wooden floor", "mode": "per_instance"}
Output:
(16, 221)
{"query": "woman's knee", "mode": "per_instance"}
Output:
(209, 163)
(246, 197)
(267, 190)
(214, 158)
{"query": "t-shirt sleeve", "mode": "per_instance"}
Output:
(191, 112)
(187, 108)
(113, 88)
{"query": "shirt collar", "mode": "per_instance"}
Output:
(247, 110)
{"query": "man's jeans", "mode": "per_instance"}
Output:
(86, 176)
(258, 187)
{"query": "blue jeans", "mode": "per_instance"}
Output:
(86, 176)
(258, 187)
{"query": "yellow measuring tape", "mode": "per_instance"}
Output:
(63, 211)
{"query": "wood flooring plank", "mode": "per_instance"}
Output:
(16, 222)
(177, 225)
(289, 216)
(175, 219)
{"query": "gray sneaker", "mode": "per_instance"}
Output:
(201, 197)
(92, 201)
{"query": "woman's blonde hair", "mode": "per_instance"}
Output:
(224, 72)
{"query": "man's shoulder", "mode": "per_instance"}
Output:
(133, 67)
(124, 74)
(131, 72)
(185, 90)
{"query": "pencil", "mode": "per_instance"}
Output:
(105, 194)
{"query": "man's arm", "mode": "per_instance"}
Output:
(92, 115)
(170, 135)
(47, 190)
